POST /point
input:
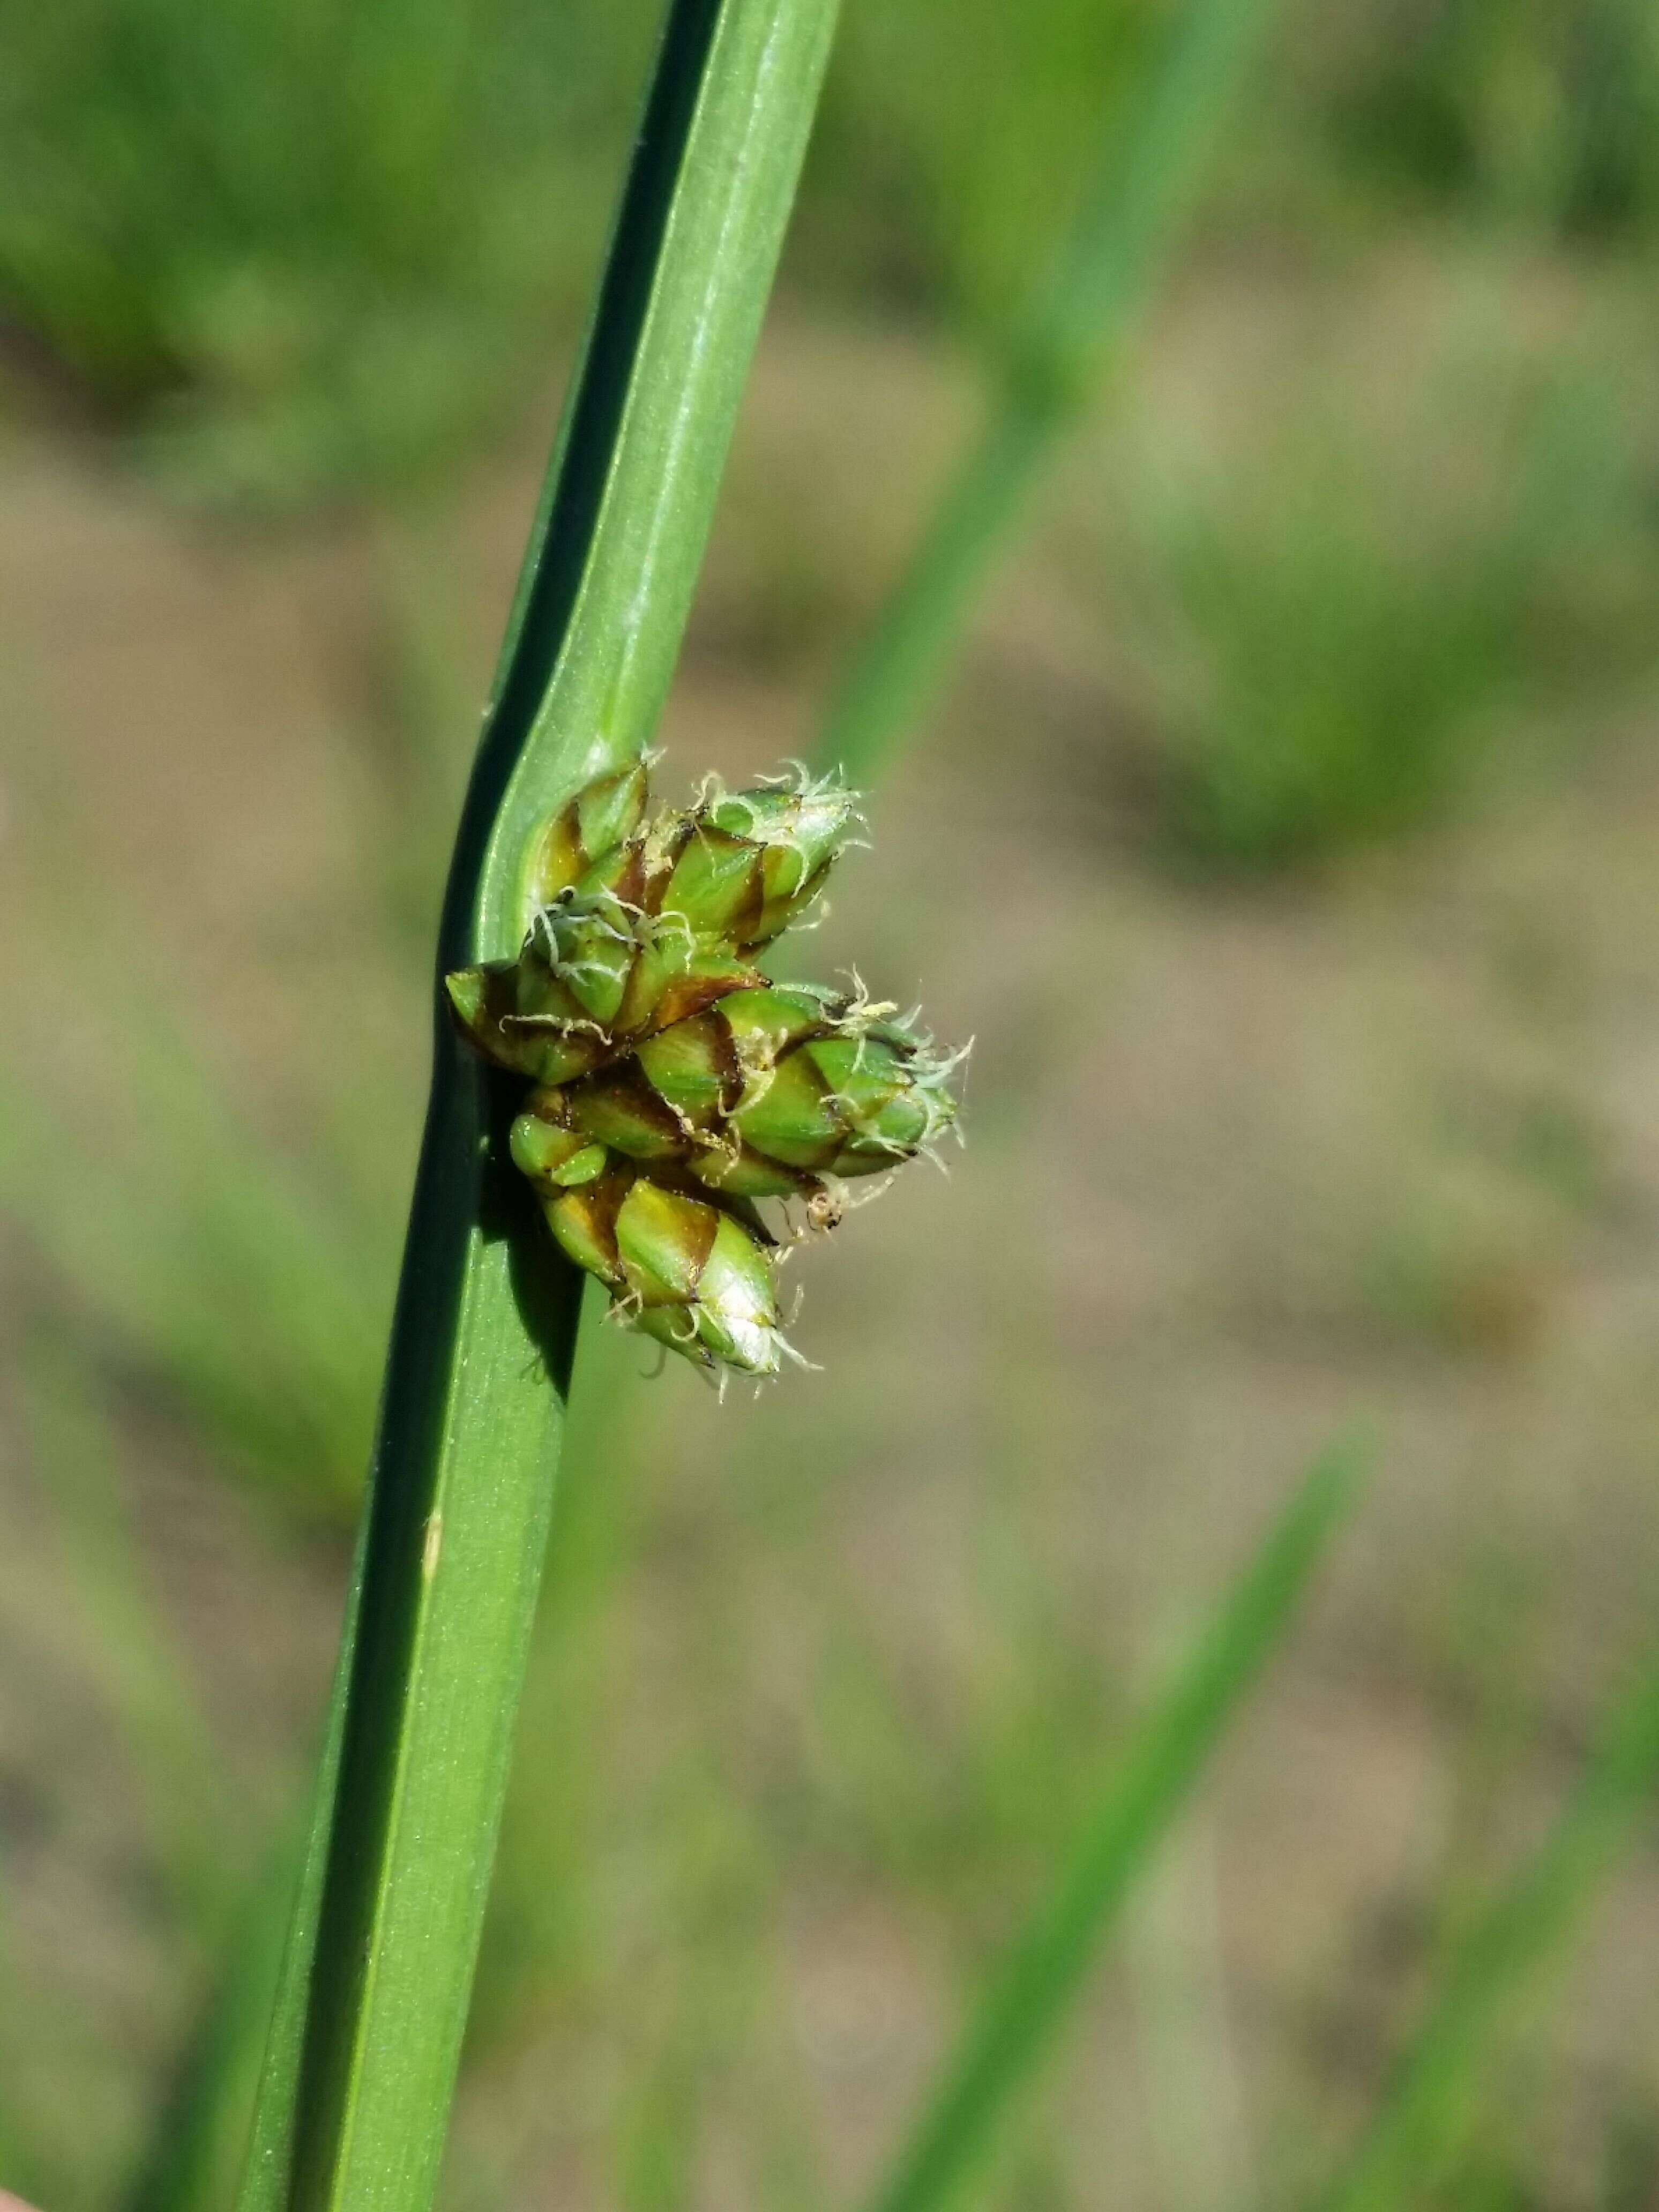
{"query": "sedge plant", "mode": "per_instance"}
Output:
(373, 1997)
(1130, 216)
(375, 1986)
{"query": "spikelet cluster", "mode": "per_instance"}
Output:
(674, 1088)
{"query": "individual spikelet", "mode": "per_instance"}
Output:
(743, 866)
(681, 1268)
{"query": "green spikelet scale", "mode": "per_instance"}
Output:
(744, 865)
(601, 819)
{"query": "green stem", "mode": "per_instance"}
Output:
(373, 2001)
(1118, 249)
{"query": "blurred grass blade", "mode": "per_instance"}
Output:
(1421, 2115)
(167, 1747)
(1148, 179)
(1028, 2001)
(201, 1258)
(199, 2134)
(376, 1982)
(144, 1683)
(15, 2164)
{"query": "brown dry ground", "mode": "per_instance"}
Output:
(1245, 1162)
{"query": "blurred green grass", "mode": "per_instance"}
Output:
(1356, 572)
(297, 249)
(1544, 114)
(1359, 620)
(295, 246)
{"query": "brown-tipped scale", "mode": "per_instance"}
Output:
(603, 815)
(743, 866)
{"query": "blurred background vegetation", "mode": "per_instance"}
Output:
(1289, 839)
